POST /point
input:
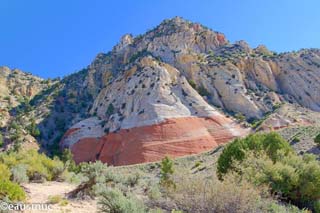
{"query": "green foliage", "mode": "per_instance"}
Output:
(1, 141)
(239, 148)
(39, 166)
(14, 125)
(154, 192)
(203, 91)
(110, 110)
(239, 116)
(316, 206)
(256, 123)
(54, 199)
(113, 201)
(296, 178)
(317, 139)
(95, 176)
(139, 54)
(133, 179)
(192, 83)
(11, 190)
(95, 172)
(69, 163)
(195, 193)
(296, 140)
(5, 172)
(197, 164)
(166, 173)
(19, 174)
(33, 129)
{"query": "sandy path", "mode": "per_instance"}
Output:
(39, 193)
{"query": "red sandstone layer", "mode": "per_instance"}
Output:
(174, 137)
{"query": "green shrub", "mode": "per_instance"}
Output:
(110, 110)
(203, 91)
(133, 179)
(4, 172)
(200, 194)
(19, 174)
(296, 140)
(33, 129)
(113, 200)
(192, 83)
(236, 151)
(316, 206)
(39, 166)
(197, 164)
(154, 192)
(294, 177)
(54, 199)
(239, 116)
(1, 141)
(69, 163)
(11, 190)
(166, 172)
(317, 139)
(94, 174)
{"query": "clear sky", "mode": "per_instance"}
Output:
(53, 38)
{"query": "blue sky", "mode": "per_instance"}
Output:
(53, 38)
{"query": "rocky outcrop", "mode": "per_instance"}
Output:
(165, 93)
(172, 137)
(145, 114)
(176, 90)
(17, 87)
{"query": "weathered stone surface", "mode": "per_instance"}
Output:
(172, 137)
(182, 71)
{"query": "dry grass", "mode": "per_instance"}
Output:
(198, 194)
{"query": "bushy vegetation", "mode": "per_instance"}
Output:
(20, 167)
(239, 116)
(39, 166)
(203, 91)
(317, 139)
(8, 189)
(5, 172)
(69, 163)
(12, 191)
(33, 129)
(95, 177)
(1, 140)
(268, 160)
(255, 173)
(196, 194)
(166, 173)
(113, 200)
(237, 150)
(192, 83)
(19, 174)
(57, 199)
(110, 110)
(295, 178)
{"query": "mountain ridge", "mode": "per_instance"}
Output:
(178, 70)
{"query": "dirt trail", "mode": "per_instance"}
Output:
(40, 192)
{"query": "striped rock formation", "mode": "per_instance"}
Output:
(167, 91)
(149, 112)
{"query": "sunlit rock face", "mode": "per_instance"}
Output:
(167, 92)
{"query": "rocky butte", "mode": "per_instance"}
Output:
(149, 110)
(178, 89)
(164, 93)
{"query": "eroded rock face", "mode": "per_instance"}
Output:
(150, 92)
(16, 87)
(149, 112)
(173, 137)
